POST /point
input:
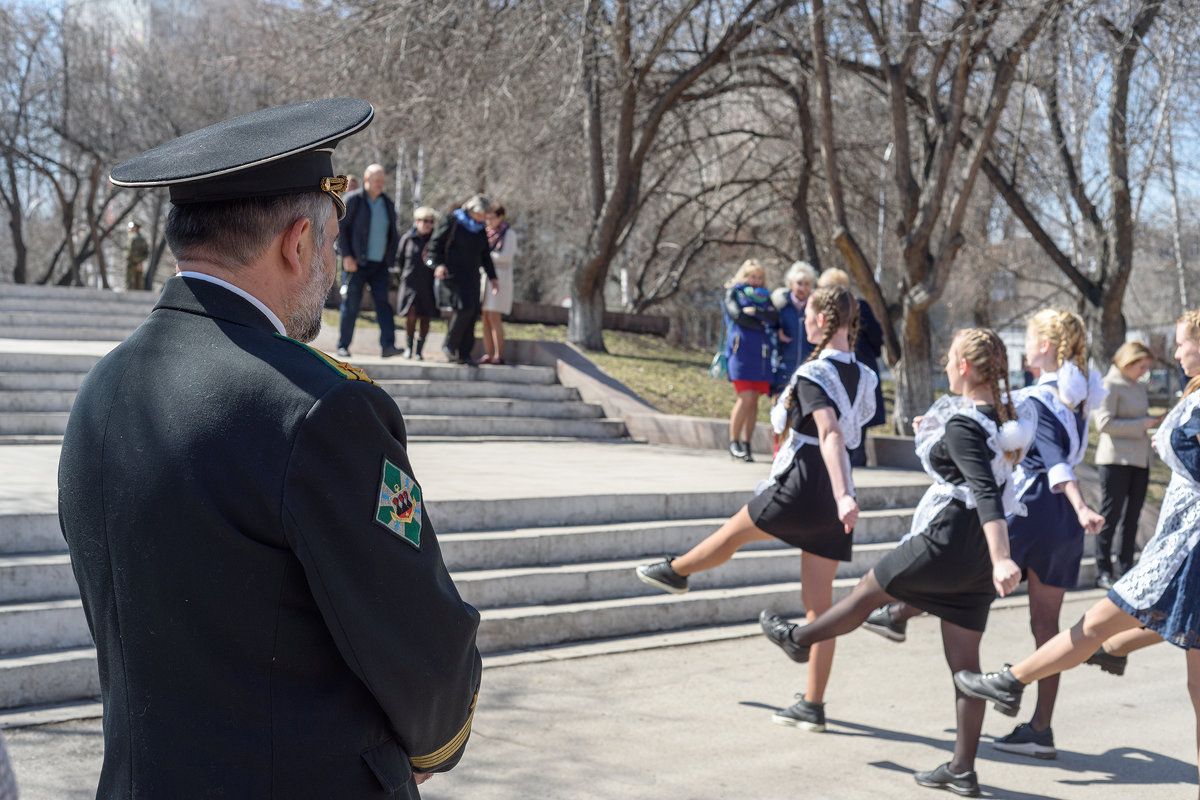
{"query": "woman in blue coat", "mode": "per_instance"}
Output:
(748, 313)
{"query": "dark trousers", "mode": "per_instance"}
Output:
(1124, 492)
(373, 275)
(460, 335)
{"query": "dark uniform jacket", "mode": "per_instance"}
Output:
(463, 252)
(354, 229)
(271, 611)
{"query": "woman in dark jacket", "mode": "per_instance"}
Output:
(457, 250)
(416, 302)
(748, 312)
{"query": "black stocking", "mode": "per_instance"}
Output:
(962, 652)
(846, 614)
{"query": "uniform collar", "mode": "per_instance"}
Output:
(240, 292)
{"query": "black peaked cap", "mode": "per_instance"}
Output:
(280, 150)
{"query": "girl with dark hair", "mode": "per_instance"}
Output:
(808, 500)
(954, 560)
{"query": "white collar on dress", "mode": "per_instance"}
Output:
(844, 356)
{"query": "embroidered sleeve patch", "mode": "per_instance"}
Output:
(399, 505)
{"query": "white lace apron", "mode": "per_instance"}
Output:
(1047, 395)
(932, 430)
(1178, 528)
(851, 416)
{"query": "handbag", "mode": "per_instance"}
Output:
(446, 291)
(719, 368)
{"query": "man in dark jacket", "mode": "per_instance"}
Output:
(367, 238)
(272, 615)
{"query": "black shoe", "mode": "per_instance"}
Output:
(965, 784)
(1106, 661)
(736, 450)
(1028, 742)
(802, 714)
(468, 362)
(1104, 580)
(880, 621)
(779, 631)
(748, 458)
(388, 352)
(343, 352)
(418, 348)
(1000, 688)
(661, 575)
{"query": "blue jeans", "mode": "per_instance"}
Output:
(375, 276)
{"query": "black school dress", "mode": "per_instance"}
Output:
(799, 507)
(946, 569)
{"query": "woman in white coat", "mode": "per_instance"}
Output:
(503, 242)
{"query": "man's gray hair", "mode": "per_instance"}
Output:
(799, 271)
(478, 204)
(233, 233)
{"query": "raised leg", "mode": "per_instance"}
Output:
(720, 545)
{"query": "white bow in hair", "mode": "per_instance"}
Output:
(1074, 387)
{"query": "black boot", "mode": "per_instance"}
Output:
(418, 346)
(736, 450)
(408, 348)
(749, 459)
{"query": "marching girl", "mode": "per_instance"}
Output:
(808, 500)
(955, 559)
(1162, 592)
(1047, 543)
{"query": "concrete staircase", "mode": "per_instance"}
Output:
(542, 571)
(41, 368)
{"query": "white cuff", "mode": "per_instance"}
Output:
(1059, 474)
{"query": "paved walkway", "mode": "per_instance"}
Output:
(692, 722)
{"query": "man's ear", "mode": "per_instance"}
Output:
(296, 247)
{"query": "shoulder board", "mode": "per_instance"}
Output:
(347, 371)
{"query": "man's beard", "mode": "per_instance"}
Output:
(303, 321)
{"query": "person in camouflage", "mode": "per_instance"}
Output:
(136, 252)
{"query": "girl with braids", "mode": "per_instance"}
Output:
(808, 500)
(954, 560)
(1162, 591)
(1047, 543)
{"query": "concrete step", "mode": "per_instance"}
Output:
(421, 425)
(46, 363)
(110, 303)
(607, 580)
(37, 400)
(57, 676)
(50, 294)
(477, 407)
(30, 533)
(115, 318)
(42, 625)
(605, 509)
(39, 423)
(401, 369)
(412, 389)
(41, 381)
(539, 546)
(89, 333)
(36, 576)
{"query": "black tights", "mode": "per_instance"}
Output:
(960, 645)
(410, 325)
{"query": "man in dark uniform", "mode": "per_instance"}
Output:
(272, 615)
(136, 252)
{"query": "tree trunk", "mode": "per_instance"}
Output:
(914, 372)
(585, 323)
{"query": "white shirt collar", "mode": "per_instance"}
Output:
(844, 356)
(1047, 377)
(259, 304)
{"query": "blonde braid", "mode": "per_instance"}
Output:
(1066, 333)
(1192, 320)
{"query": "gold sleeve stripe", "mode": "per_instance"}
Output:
(347, 371)
(422, 763)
